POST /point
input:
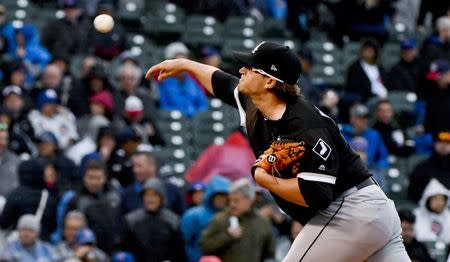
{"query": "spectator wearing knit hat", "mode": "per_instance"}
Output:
(28, 247)
(101, 104)
(181, 93)
(134, 117)
(50, 116)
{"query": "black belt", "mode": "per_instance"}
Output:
(367, 182)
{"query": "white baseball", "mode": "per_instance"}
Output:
(103, 23)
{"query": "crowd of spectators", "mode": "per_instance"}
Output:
(81, 175)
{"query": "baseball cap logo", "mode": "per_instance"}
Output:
(257, 47)
(273, 68)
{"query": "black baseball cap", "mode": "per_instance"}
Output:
(274, 60)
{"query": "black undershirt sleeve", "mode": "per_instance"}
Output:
(223, 87)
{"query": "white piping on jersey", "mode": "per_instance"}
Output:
(242, 114)
(317, 177)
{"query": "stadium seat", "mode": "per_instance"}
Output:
(130, 13)
(402, 100)
(164, 24)
(438, 250)
(243, 27)
(397, 179)
(202, 30)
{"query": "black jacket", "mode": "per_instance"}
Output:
(434, 167)
(404, 76)
(25, 199)
(101, 211)
(358, 84)
(388, 133)
(153, 236)
(418, 251)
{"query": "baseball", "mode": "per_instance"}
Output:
(103, 23)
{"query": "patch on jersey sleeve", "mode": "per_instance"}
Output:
(322, 149)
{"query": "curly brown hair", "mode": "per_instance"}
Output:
(286, 92)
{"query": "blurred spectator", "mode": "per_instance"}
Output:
(211, 56)
(73, 223)
(105, 144)
(239, 233)
(365, 76)
(197, 218)
(300, 17)
(266, 206)
(51, 79)
(92, 82)
(88, 142)
(404, 76)
(437, 45)
(308, 89)
(8, 164)
(182, 92)
(50, 116)
(23, 45)
(135, 117)
(284, 242)
(438, 9)
(100, 105)
(20, 130)
(415, 249)
(129, 84)
(120, 161)
(233, 159)
(111, 44)
(122, 256)
(407, 14)
(152, 232)
(70, 35)
(86, 249)
(98, 195)
(144, 168)
(210, 259)
(195, 194)
(376, 154)
(28, 247)
(329, 104)
(436, 166)
(26, 198)
(5, 28)
(395, 139)
(438, 102)
(14, 73)
(370, 19)
(432, 215)
(49, 151)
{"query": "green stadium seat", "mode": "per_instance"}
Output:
(438, 250)
(202, 30)
(402, 101)
(397, 179)
(130, 13)
(239, 26)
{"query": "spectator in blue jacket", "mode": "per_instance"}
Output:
(376, 155)
(197, 218)
(182, 92)
(23, 44)
(28, 247)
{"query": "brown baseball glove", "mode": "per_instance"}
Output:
(282, 154)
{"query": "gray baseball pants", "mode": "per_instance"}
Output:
(360, 225)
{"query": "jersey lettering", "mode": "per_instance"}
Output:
(322, 149)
